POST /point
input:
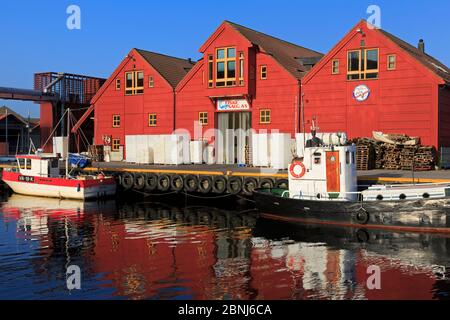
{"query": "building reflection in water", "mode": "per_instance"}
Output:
(154, 251)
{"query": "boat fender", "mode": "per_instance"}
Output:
(191, 183)
(151, 182)
(205, 184)
(297, 169)
(266, 183)
(219, 185)
(250, 184)
(282, 184)
(139, 181)
(361, 216)
(164, 183)
(177, 183)
(234, 185)
(127, 180)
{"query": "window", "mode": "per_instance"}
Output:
(335, 67)
(117, 84)
(392, 62)
(264, 116)
(225, 67)
(152, 120)
(134, 82)
(116, 145)
(210, 71)
(241, 68)
(362, 64)
(263, 72)
(203, 118)
(116, 121)
(151, 82)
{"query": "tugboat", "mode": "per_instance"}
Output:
(39, 175)
(323, 189)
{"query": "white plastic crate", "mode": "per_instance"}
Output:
(280, 150)
(130, 149)
(196, 151)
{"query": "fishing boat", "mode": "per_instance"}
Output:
(323, 189)
(40, 175)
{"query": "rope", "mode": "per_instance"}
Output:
(54, 130)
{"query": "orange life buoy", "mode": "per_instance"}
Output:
(297, 169)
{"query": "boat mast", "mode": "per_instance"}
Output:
(67, 143)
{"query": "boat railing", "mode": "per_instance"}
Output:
(361, 197)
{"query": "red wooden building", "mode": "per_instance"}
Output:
(373, 81)
(246, 79)
(138, 98)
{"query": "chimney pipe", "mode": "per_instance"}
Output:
(421, 46)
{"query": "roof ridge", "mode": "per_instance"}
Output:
(273, 37)
(164, 55)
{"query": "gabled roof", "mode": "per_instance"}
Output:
(170, 68)
(440, 69)
(288, 55)
(8, 111)
(437, 68)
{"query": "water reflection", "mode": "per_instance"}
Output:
(155, 251)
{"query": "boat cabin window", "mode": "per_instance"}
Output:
(55, 163)
(347, 157)
(353, 158)
(25, 164)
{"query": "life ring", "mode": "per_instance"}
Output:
(177, 183)
(219, 185)
(234, 185)
(151, 182)
(191, 183)
(297, 169)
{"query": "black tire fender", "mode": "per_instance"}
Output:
(234, 185)
(205, 184)
(164, 183)
(139, 181)
(151, 182)
(219, 184)
(361, 216)
(266, 183)
(249, 185)
(191, 183)
(280, 182)
(177, 183)
(127, 180)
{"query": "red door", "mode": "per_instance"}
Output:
(333, 172)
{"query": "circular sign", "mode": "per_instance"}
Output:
(361, 93)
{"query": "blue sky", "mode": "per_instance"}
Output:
(34, 37)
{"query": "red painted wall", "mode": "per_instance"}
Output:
(277, 93)
(134, 110)
(444, 117)
(46, 125)
(401, 101)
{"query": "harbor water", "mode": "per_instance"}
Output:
(146, 249)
